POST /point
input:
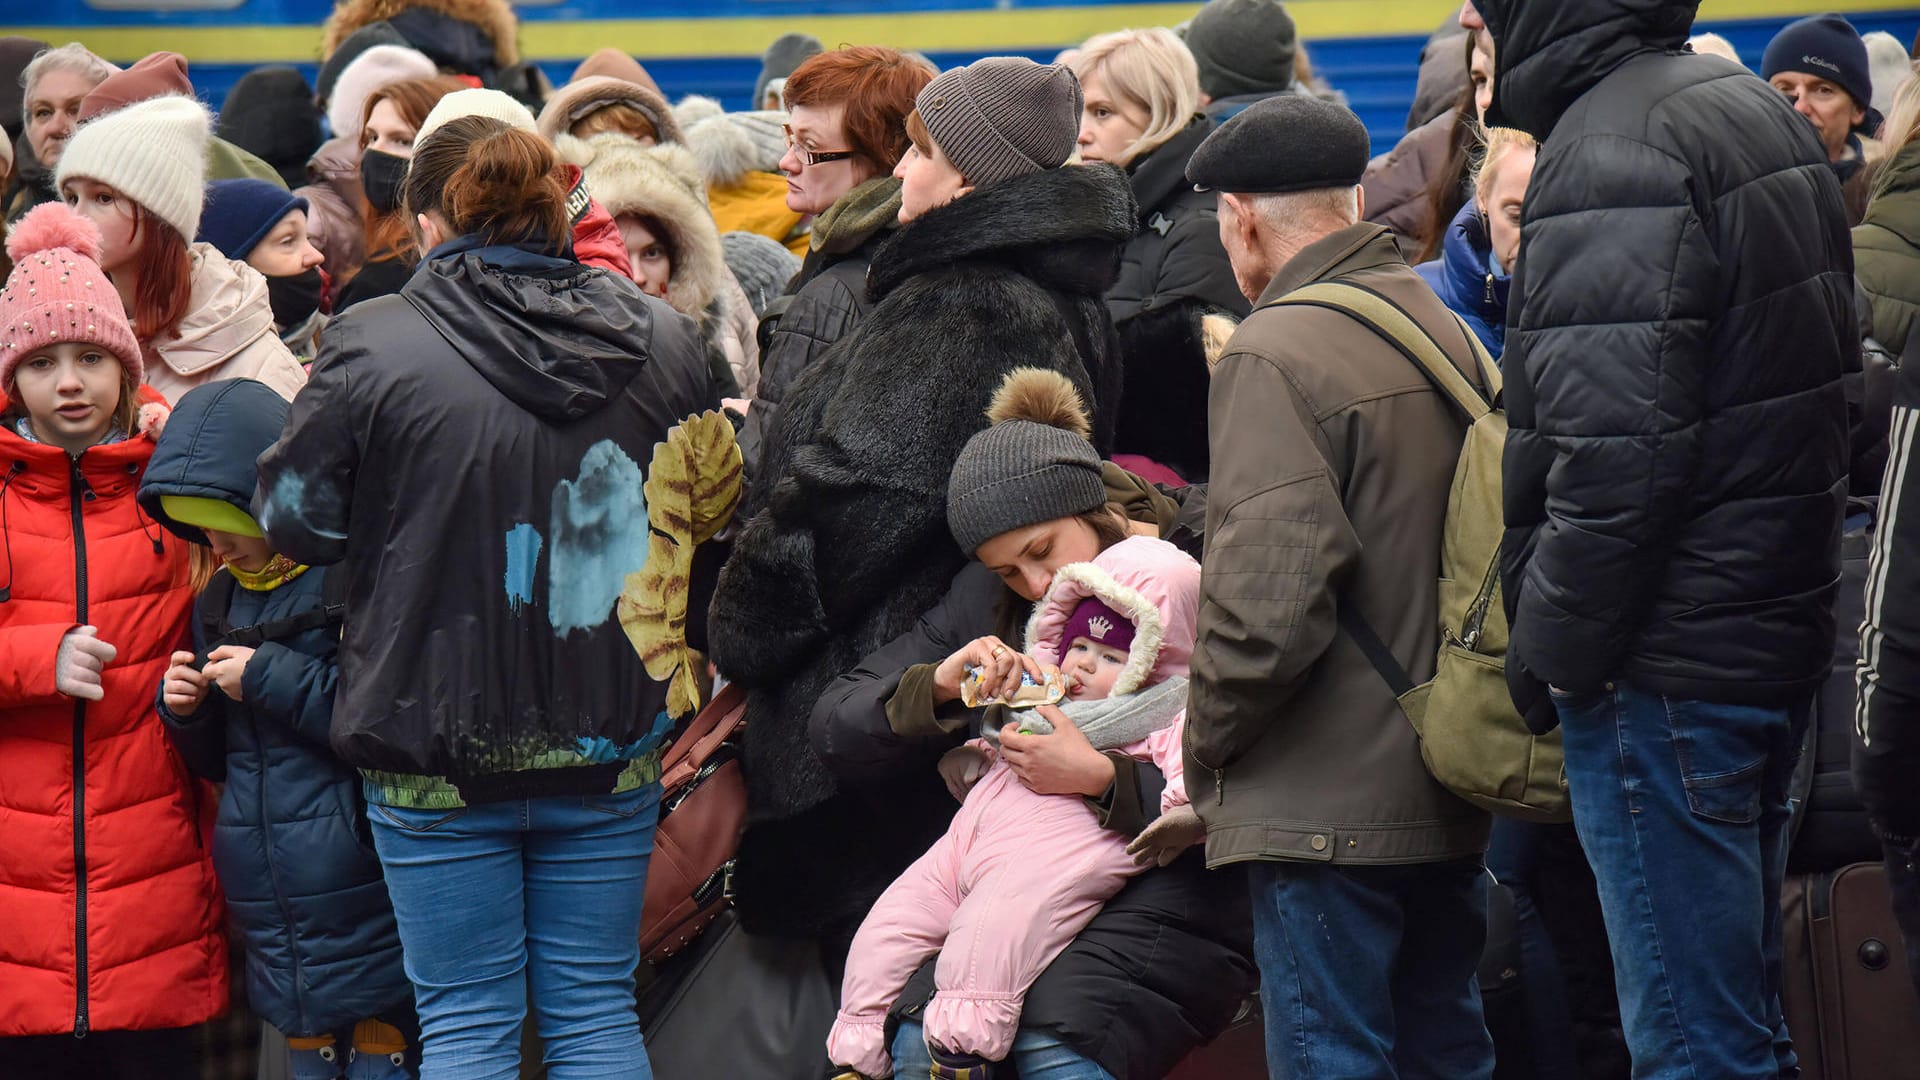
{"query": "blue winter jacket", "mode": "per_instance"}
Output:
(1466, 280)
(291, 844)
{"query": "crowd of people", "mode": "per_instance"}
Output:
(1065, 461)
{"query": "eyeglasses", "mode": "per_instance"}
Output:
(814, 157)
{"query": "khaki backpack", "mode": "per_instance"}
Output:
(1474, 741)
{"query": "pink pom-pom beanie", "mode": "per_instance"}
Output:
(57, 293)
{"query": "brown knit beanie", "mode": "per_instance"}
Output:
(1002, 117)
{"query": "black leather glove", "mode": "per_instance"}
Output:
(1530, 697)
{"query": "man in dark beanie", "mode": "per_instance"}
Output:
(1244, 50)
(1820, 64)
(271, 114)
(1674, 482)
(1333, 455)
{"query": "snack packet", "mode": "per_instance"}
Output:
(1030, 695)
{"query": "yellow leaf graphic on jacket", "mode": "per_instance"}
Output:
(693, 487)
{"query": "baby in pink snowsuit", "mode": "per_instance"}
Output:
(1018, 874)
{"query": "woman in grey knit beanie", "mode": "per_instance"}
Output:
(988, 122)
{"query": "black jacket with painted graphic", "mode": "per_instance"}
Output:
(470, 453)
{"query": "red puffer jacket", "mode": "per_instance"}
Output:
(596, 239)
(110, 916)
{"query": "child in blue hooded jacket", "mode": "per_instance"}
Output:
(252, 708)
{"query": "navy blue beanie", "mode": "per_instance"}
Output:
(240, 213)
(1827, 46)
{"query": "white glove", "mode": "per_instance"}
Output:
(78, 663)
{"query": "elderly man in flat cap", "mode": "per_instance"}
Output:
(1333, 454)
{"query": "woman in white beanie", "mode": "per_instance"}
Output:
(673, 248)
(139, 174)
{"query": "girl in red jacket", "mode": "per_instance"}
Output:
(111, 943)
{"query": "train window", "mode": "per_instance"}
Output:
(164, 5)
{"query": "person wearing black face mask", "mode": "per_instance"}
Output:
(381, 175)
(266, 227)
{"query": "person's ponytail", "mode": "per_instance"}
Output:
(492, 181)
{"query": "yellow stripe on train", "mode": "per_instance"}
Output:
(946, 31)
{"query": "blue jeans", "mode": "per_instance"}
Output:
(1682, 807)
(495, 897)
(1038, 1056)
(1368, 972)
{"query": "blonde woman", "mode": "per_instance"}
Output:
(1141, 113)
(1481, 244)
(1886, 243)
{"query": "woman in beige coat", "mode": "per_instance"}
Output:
(138, 174)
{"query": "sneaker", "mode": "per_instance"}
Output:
(959, 1066)
(320, 1064)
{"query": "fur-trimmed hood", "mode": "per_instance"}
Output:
(493, 18)
(1062, 227)
(1153, 583)
(581, 98)
(662, 183)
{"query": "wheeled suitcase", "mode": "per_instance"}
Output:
(1849, 1001)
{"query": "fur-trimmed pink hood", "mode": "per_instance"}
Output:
(1145, 578)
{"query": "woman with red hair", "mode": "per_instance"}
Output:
(138, 174)
(388, 124)
(846, 130)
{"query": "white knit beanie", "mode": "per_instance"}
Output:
(373, 70)
(153, 152)
(490, 103)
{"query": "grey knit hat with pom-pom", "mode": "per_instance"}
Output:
(1033, 465)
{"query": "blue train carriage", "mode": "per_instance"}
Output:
(1368, 49)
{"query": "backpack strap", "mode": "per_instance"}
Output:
(1392, 323)
(212, 607)
(331, 612)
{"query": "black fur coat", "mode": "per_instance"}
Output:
(852, 546)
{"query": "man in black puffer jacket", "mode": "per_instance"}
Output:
(1675, 477)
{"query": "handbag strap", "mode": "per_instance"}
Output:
(709, 728)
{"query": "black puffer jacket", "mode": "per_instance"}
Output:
(852, 546)
(1173, 272)
(1677, 464)
(470, 452)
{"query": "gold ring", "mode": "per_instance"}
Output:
(999, 651)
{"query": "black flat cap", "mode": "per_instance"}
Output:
(1291, 142)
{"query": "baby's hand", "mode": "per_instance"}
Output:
(184, 687)
(962, 767)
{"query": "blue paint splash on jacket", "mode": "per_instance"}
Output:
(523, 556)
(599, 528)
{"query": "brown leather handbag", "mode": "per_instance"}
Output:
(703, 808)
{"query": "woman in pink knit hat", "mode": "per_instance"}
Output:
(113, 942)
